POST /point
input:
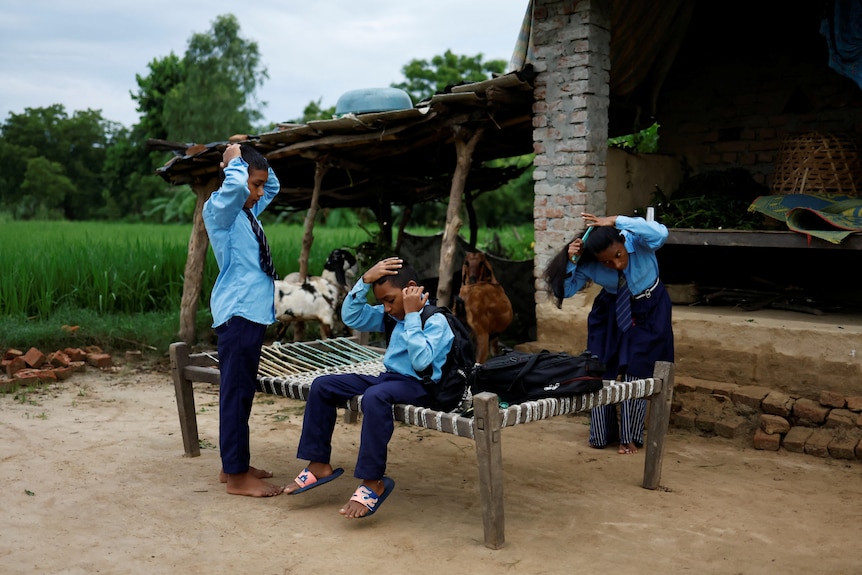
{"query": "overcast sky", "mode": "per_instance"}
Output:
(85, 54)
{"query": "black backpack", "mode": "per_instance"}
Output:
(446, 394)
(517, 376)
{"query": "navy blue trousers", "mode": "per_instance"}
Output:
(631, 355)
(239, 343)
(379, 394)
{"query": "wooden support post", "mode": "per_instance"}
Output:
(659, 420)
(197, 254)
(185, 399)
(465, 144)
(489, 452)
(320, 170)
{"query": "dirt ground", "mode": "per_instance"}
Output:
(95, 482)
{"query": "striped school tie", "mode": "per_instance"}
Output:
(265, 255)
(624, 304)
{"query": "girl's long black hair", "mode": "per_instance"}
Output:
(600, 239)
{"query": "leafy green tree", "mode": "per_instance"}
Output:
(315, 111)
(165, 74)
(44, 190)
(425, 78)
(77, 143)
(217, 96)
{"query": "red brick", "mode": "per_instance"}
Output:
(773, 424)
(14, 365)
(854, 403)
(12, 353)
(705, 423)
(795, 439)
(750, 395)
(34, 357)
(59, 359)
(99, 360)
(777, 403)
(75, 353)
(810, 411)
(763, 440)
(684, 419)
(844, 446)
(731, 427)
(832, 399)
(841, 418)
(818, 443)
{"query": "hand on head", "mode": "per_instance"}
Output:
(385, 267)
(593, 220)
(414, 298)
(231, 152)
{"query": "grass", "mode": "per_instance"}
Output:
(119, 286)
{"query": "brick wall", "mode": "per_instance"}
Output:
(570, 131)
(732, 103)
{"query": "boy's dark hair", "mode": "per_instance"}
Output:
(402, 278)
(252, 157)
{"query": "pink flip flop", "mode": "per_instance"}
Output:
(307, 480)
(370, 499)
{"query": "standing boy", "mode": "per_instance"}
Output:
(412, 348)
(243, 305)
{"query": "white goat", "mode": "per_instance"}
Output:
(318, 299)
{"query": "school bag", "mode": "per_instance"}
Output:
(518, 376)
(448, 393)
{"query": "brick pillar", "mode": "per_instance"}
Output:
(570, 120)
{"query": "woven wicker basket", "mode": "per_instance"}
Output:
(818, 163)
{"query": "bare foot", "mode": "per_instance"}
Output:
(320, 471)
(354, 509)
(627, 448)
(247, 484)
(259, 473)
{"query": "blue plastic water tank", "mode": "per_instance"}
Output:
(368, 100)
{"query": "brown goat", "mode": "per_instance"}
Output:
(486, 304)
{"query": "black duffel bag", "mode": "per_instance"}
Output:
(517, 376)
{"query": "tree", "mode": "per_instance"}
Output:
(44, 190)
(425, 78)
(314, 111)
(217, 95)
(77, 144)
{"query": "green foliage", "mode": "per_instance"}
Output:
(73, 147)
(122, 283)
(165, 74)
(315, 111)
(425, 78)
(217, 94)
(712, 200)
(643, 142)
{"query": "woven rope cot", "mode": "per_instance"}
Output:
(818, 163)
(288, 371)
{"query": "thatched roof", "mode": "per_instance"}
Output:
(402, 157)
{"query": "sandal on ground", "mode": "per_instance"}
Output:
(367, 497)
(307, 480)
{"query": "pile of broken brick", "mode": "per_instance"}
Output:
(33, 367)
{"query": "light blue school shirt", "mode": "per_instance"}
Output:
(642, 239)
(411, 349)
(241, 288)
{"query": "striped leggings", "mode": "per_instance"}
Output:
(603, 423)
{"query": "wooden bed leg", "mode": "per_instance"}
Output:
(487, 425)
(659, 420)
(185, 399)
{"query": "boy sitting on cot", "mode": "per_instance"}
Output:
(411, 349)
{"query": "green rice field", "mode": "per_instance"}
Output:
(128, 278)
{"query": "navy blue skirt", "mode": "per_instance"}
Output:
(650, 339)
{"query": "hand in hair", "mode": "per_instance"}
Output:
(231, 152)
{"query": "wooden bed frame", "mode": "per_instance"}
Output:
(483, 427)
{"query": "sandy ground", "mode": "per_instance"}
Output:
(94, 481)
